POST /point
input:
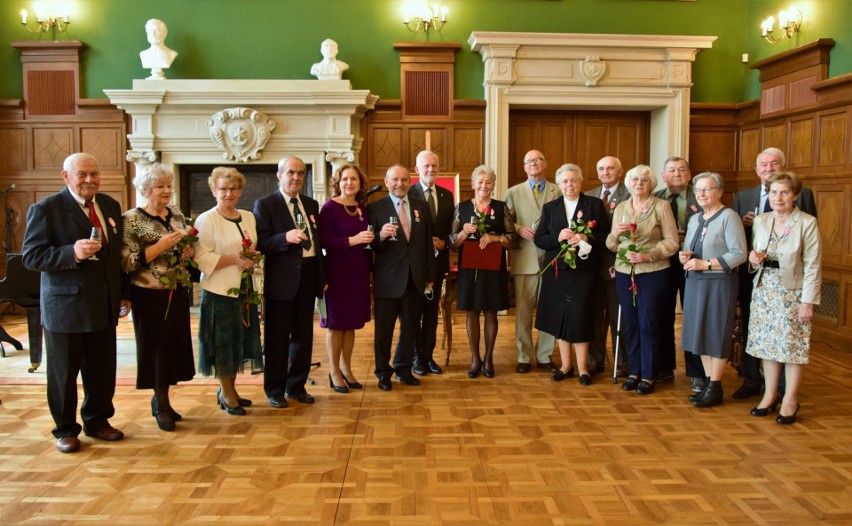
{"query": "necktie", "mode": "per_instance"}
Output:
(673, 202)
(536, 189)
(430, 200)
(403, 218)
(605, 197)
(766, 206)
(297, 214)
(96, 221)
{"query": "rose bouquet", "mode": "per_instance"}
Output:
(568, 252)
(181, 264)
(246, 287)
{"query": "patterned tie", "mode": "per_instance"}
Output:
(430, 200)
(297, 213)
(403, 218)
(673, 199)
(96, 221)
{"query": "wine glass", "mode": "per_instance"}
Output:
(96, 235)
(394, 221)
(472, 222)
(367, 246)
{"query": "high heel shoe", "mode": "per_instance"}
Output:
(165, 419)
(763, 411)
(244, 402)
(236, 410)
(473, 373)
(351, 385)
(488, 373)
(787, 420)
(178, 416)
(337, 388)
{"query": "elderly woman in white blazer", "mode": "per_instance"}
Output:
(786, 260)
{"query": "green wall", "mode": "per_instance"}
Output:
(280, 39)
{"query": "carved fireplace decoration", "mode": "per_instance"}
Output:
(241, 133)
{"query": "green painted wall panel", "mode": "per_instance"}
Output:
(280, 39)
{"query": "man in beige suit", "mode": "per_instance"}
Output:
(525, 201)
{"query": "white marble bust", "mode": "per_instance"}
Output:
(329, 68)
(157, 57)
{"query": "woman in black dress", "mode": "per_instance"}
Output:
(476, 224)
(152, 237)
(572, 258)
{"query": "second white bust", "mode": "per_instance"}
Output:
(329, 68)
(157, 57)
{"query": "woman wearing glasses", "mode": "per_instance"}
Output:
(643, 236)
(714, 245)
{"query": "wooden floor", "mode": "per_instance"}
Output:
(516, 449)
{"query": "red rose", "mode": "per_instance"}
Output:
(193, 231)
(633, 227)
(593, 223)
(246, 242)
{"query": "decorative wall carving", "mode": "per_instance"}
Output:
(592, 68)
(241, 133)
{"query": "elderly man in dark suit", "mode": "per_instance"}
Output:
(441, 205)
(678, 192)
(404, 271)
(611, 191)
(749, 203)
(83, 293)
(293, 280)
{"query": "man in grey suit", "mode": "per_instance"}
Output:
(524, 201)
(748, 203)
(678, 192)
(611, 192)
(83, 294)
(404, 271)
(441, 206)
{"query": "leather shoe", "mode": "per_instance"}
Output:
(558, 375)
(585, 379)
(67, 444)
(630, 384)
(787, 420)
(645, 387)
(698, 385)
(278, 402)
(419, 368)
(434, 368)
(109, 433)
(385, 384)
(547, 366)
(522, 368)
(407, 379)
(302, 398)
(747, 391)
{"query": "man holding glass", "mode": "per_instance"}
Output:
(83, 294)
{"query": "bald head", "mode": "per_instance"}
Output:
(609, 171)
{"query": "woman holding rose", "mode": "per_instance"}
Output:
(643, 236)
(159, 290)
(478, 289)
(229, 326)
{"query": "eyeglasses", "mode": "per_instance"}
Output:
(534, 160)
(226, 190)
(643, 180)
(707, 190)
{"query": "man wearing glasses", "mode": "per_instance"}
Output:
(749, 203)
(524, 201)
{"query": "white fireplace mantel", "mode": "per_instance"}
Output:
(588, 72)
(316, 120)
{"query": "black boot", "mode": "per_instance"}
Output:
(711, 396)
(696, 396)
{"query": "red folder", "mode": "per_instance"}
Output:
(476, 258)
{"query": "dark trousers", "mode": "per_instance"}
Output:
(749, 365)
(427, 335)
(668, 348)
(606, 321)
(642, 325)
(92, 355)
(407, 309)
(289, 336)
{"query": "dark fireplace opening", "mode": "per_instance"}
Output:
(261, 180)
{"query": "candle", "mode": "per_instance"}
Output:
(405, 16)
(24, 16)
(444, 14)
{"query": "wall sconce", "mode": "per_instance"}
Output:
(425, 17)
(789, 22)
(46, 19)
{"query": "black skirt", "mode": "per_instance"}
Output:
(566, 304)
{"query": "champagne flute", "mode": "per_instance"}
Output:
(472, 222)
(367, 246)
(394, 221)
(96, 235)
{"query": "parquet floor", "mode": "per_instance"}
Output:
(517, 449)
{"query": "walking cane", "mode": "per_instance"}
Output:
(615, 352)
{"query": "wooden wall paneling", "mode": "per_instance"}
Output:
(13, 150)
(774, 135)
(556, 144)
(385, 150)
(106, 143)
(749, 148)
(714, 151)
(417, 142)
(51, 145)
(468, 148)
(801, 152)
(833, 138)
(832, 221)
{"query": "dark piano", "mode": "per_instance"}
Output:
(21, 286)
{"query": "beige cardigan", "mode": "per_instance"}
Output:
(656, 230)
(799, 254)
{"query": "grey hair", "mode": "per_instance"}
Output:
(424, 153)
(569, 167)
(483, 169)
(71, 160)
(640, 170)
(774, 152)
(717, 179)
(150, 175)
(283, 161)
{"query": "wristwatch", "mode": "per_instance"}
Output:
(709, 265)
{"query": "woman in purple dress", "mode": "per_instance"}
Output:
(345, 236)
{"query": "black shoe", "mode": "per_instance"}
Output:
(278, 402)
(711, 396)
(244, 402)
(302, 398)
(787, 420)
(165, 419)
(698, 385)
(177, 416)
(488, 373)
(522, 368)
(630, 384)
(696, 396)
(337, 388)
(418, 368)
(558, 375)
(585, 379)
(385, 384)
(665, 376)
(474, 373)
(645, 387)
(236, 410)
(433, 367)
(407, 379)
(763, 411)
(747, 391)
(351, 385)
(547, 366)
